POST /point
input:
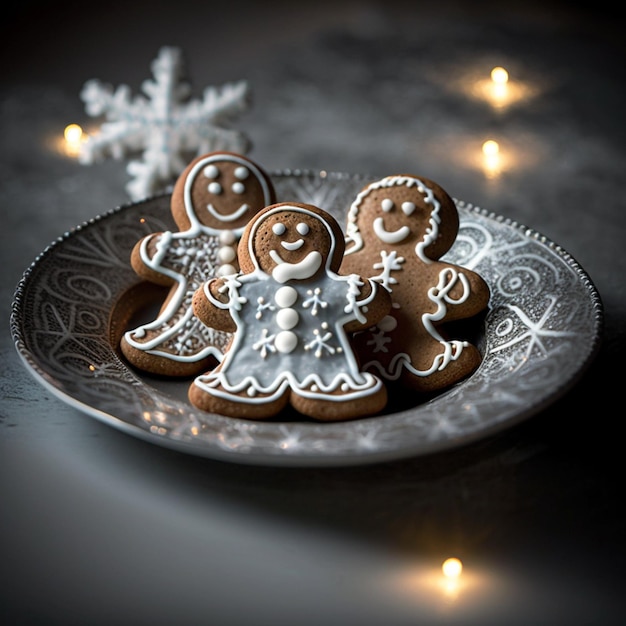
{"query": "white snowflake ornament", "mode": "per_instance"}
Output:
(166, 126)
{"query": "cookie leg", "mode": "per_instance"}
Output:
(163, 366)
(217, 399)
(343, 407)
(464, 363)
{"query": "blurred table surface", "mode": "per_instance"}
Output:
(98, 527)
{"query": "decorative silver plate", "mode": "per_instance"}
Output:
(541, 331)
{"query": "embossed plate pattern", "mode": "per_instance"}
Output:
(542, 329)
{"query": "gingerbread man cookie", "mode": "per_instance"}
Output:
(291, 313)
(397, 230)
(212, 201)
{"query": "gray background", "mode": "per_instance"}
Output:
(99, 528)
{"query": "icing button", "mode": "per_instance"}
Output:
(226, 254)
(287, 318)
(286, 296)
(388, 323)
(286, 341)
(226, 269)
(227, 237)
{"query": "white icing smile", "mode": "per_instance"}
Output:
(386, 236)
(292, 245)
(231, 217)
(295, 271)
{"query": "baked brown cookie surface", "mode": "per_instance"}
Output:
(397, 230)
(290, 311)
(212, 201)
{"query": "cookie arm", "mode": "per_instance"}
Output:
(142, 260)
(467, 296)
(207, 311)
(374, 301)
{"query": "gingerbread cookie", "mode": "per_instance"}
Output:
(291, 313)
(212, 201)
(397, 230)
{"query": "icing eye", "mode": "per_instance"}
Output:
(302, 228)
(242, 173)
(408, 208)
(386, 205)
(238, 187)
(211, 171)
(279, 229)
(215, 188)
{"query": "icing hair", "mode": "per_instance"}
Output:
(201, 164)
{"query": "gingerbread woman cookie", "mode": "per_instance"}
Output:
(397, 230)
(212, 201)
(291, 313)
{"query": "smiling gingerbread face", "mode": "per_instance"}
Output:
(221, 191)
(291, 241)
(397, 221)
(403, 213)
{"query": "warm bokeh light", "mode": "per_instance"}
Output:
(500, 86)
(499, 76)
(511, 153)
(452, 568)
(73, 133)
(492, 162)
(498, 89)
(73, 138)
(491, 148)
(448, 585)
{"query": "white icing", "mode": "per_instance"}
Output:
(315, 301)
(227, 237)
(292, 246)
(162, 246)
(287, 318)
(390, 236)
(242, 172)
(296, 271)
(286, 341)
(312, 387)
(449, 277)
(286, 296)
(211, 171)
(238, 188)
(388, 323)
(320, 343)
(215, 188)
(226, 254)
(226, 269)
(389, 262)
(230, 217)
